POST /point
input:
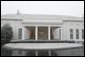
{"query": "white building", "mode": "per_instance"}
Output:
(35, 27)
(45, 27)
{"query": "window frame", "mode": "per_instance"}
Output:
(71, 33)
(20, 33)
(77, 33)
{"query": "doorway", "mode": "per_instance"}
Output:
(42, 33)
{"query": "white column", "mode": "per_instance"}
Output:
(49, 33)
(36, 33)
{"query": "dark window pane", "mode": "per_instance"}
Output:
(42, 33)
(71, 30)
(60, 33)
(82, 33)
(71, 33)
(77, 33)
(20, 33)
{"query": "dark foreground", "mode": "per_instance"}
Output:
(64, 52)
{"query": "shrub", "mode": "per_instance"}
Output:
(6, 34)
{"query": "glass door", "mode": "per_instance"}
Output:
(42, 33)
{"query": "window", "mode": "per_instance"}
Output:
(71, 33)
(77, 33)
(20, 33)
(82, 33)
(42, 33)
(60, 33)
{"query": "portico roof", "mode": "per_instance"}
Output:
(39, 16)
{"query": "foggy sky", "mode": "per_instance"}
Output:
(72, 8)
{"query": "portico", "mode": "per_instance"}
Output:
(44, 33)
(45, 28)
(41, 32)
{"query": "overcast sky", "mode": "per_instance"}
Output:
(72, 8)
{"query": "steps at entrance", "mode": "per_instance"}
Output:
(41, 41)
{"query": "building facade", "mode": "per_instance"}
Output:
(35, 27)
(45, 27)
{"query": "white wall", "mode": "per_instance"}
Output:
(15, 25)
(56, 34)
(72, 25)
(26, 33)
(67, 25)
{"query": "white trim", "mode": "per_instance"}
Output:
(42, 25)
(49, 33)
(36, 33)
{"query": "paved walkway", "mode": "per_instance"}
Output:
(39, 46)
